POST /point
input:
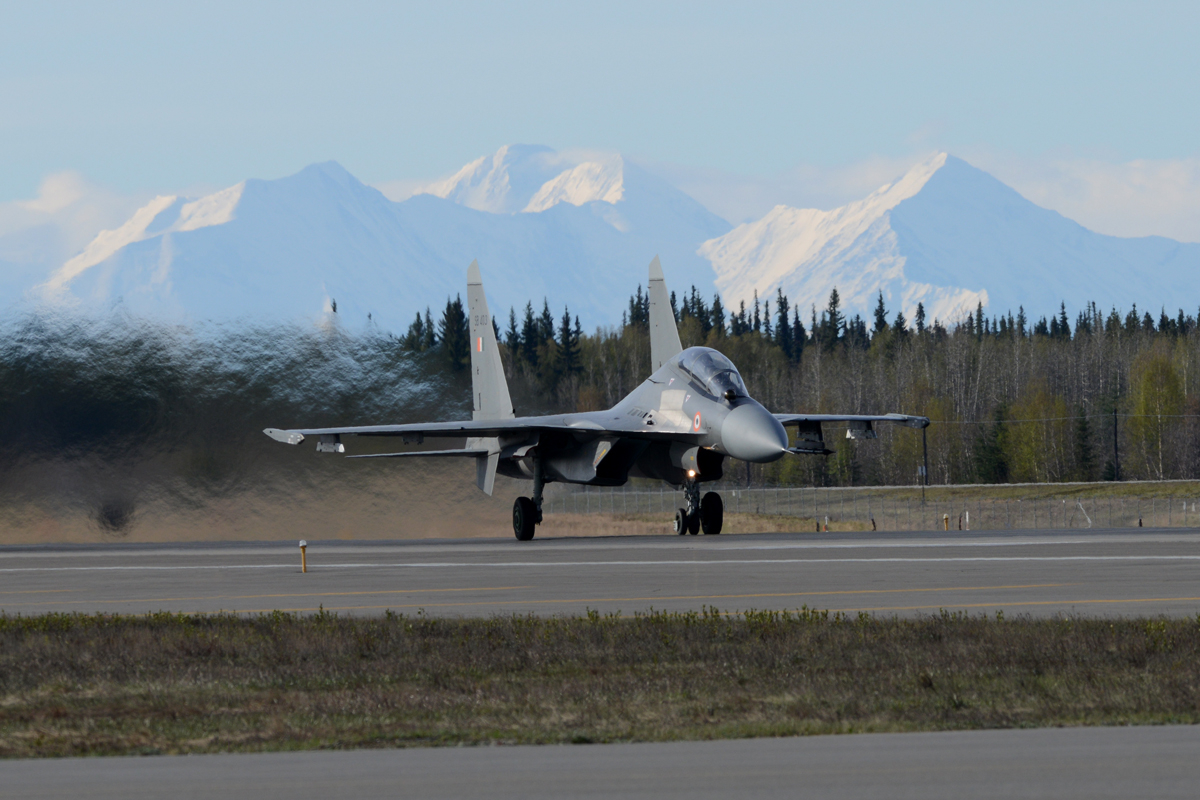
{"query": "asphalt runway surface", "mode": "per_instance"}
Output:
(1048, 763)
(1038, 573)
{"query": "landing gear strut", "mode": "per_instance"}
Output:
(707, 513)
(527, 512)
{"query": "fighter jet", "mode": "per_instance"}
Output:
(679, 426)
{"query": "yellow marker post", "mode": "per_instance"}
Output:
(946, 521)
(303, 556)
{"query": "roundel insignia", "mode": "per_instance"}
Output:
(696, 422)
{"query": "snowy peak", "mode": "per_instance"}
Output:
(949, 236)
(532, 178)
(588, 182)
(162, 215)
(501, 184)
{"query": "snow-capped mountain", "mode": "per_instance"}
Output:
(949, 236)
(579, 231)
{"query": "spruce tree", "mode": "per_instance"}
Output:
(881, 323)
(919, 319)
(783, 329)
(513, 337)
(455, 334)
(717, 315)
(430, 340)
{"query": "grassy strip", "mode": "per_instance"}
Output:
(95, 684)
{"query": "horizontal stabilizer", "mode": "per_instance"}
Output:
(424, 454)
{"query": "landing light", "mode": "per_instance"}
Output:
(691, 473)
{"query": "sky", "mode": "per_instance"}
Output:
(1086, 107)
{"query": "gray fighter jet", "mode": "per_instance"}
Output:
(679, 426)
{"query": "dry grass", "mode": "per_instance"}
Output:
(91, 685)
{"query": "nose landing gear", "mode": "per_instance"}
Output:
(707, 513)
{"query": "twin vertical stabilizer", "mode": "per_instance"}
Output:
(489, 389)
(664, 335)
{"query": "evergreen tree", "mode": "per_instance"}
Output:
(1085, 461)
(568, 345)
(766, 320)
(1021, 320)
(783, 329)
(545, 324)
(990, 463)
(430, 340)
(832, 320)
(717, 315)
(919, 318)
(737, 321)
(900, 326)
(513, 337)
(881, 323)
(757, 319)
(455, 334)
(1064, 329)
(415, 338)
(674, 310)
(529, 337)
(799, 335)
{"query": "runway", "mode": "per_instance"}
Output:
(1095, 573)
(1047, 763)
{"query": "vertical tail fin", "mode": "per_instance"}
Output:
(664, 335)
(489, 389)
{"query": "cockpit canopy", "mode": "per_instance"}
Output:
(713, 371)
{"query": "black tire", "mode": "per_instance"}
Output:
(681, 522)
(524, 518)
(712, 513)
(694, 524)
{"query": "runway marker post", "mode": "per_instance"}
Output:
(303, 556)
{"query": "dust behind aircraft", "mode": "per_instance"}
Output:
(679, 425)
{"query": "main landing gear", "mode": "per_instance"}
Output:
(527, 512)
(707, 513)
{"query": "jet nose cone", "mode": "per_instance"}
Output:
(752, 434)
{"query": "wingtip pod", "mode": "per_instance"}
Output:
(287, 437)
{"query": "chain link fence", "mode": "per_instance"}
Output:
(895, 508)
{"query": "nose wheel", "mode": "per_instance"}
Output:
(707, 513)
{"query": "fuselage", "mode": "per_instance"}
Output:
(688, 416)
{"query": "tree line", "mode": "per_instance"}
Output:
(1103, 396)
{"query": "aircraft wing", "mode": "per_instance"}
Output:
(906, 420)
(810, 439)
(595, 423)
